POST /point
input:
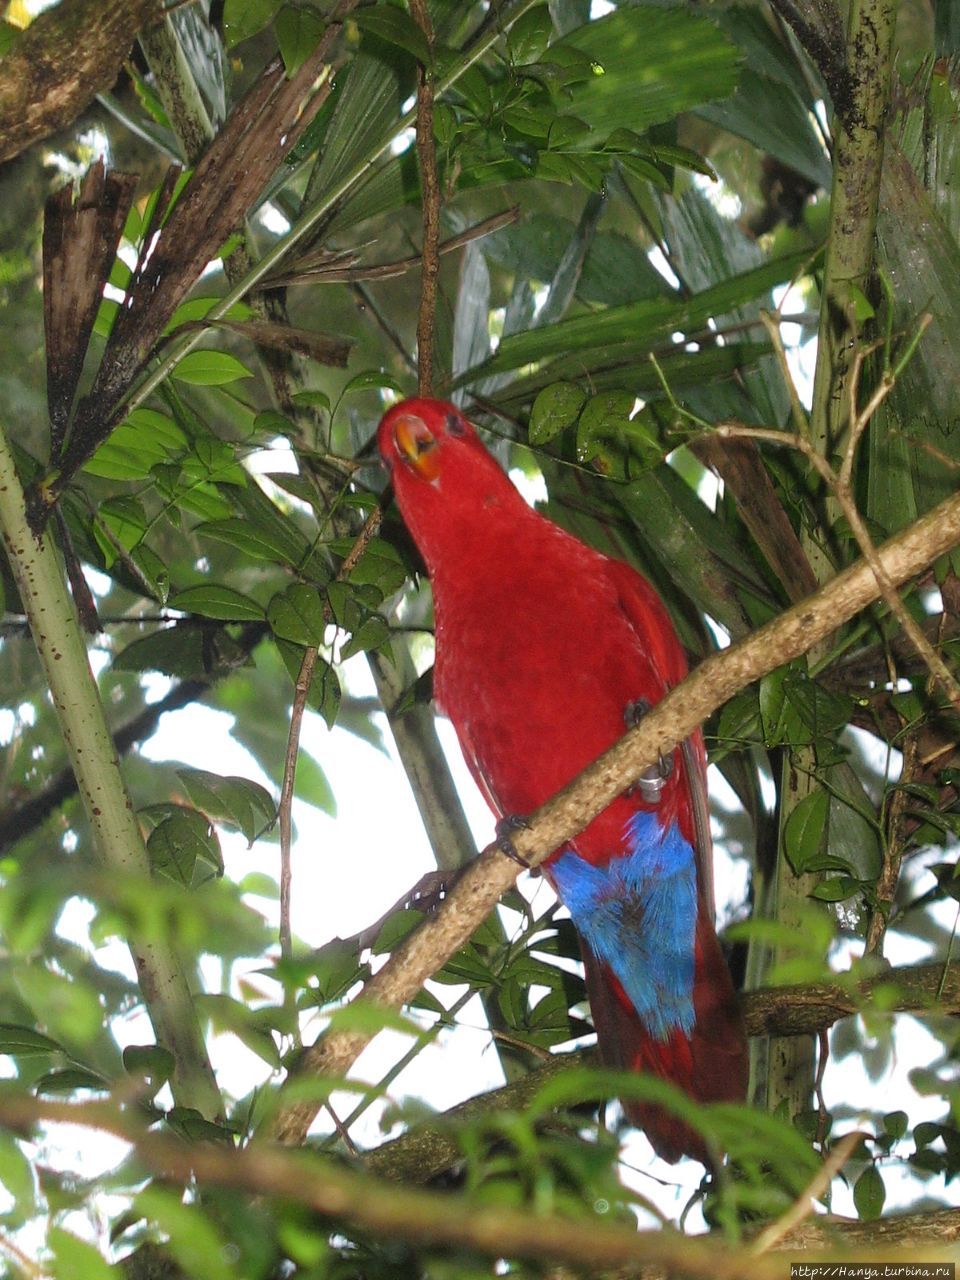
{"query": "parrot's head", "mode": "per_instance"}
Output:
(426, 438)
(444, 479)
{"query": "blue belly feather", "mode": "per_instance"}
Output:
(639, 915)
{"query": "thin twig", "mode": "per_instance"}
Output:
(823, 1057)
(301, 689)
(343, 268)
(772, 322)
(841, 488)
(803, 1206)
(430, 190)
(886, 887)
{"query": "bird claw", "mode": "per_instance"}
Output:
(651, 782)
(513, 822)
(634, 712)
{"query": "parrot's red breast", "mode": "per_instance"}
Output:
(544, 648)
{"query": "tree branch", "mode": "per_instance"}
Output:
(116, 835)
(443, 1219)
(60, 63)
(858, 156)
(567, 813)
(430, 191)
(430, 1148)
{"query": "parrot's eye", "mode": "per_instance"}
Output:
(455, 425)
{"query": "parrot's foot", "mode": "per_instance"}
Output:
(505, 828)
(651, 782)
(634, 712)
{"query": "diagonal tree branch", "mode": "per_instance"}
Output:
(672, 720)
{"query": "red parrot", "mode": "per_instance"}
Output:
(545, 651)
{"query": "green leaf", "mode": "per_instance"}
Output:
(228, 1014)
(143, 439)
(555, 409)
(336, 967)
(120, 522)
(869, 1193)
(836, 889)
(259, 885)
(217, 602)
(23, 1042)
(9, 34)
(780, 719)
(298, 34)
(324, 693)
(787, 133)
(298, 615)
(175, 651)
(244, 18)
(895, 1124)
(312, 786)
(397, 926)
(197, 309)
(395, 27)
(76, 1259)
(210, 368)
(276, 529)
(530, 35)
(213, 459)
(16, 1175)
(232, 801)
(149, 1061)
(371, 634)
(194, 1241)
(824, 713)
(313, 399)
(918, 245)
(855, 843)
(649, 65)
(367, 1017)
(253, 539)
(380, 565)
(618, 442)
(69, 1007)
(183, 847)
(644, 323)
(372, 378)
(805, 829)
(70, 1079)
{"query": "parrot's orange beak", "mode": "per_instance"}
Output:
(417, 445)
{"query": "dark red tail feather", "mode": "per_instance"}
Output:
(712, 1066)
